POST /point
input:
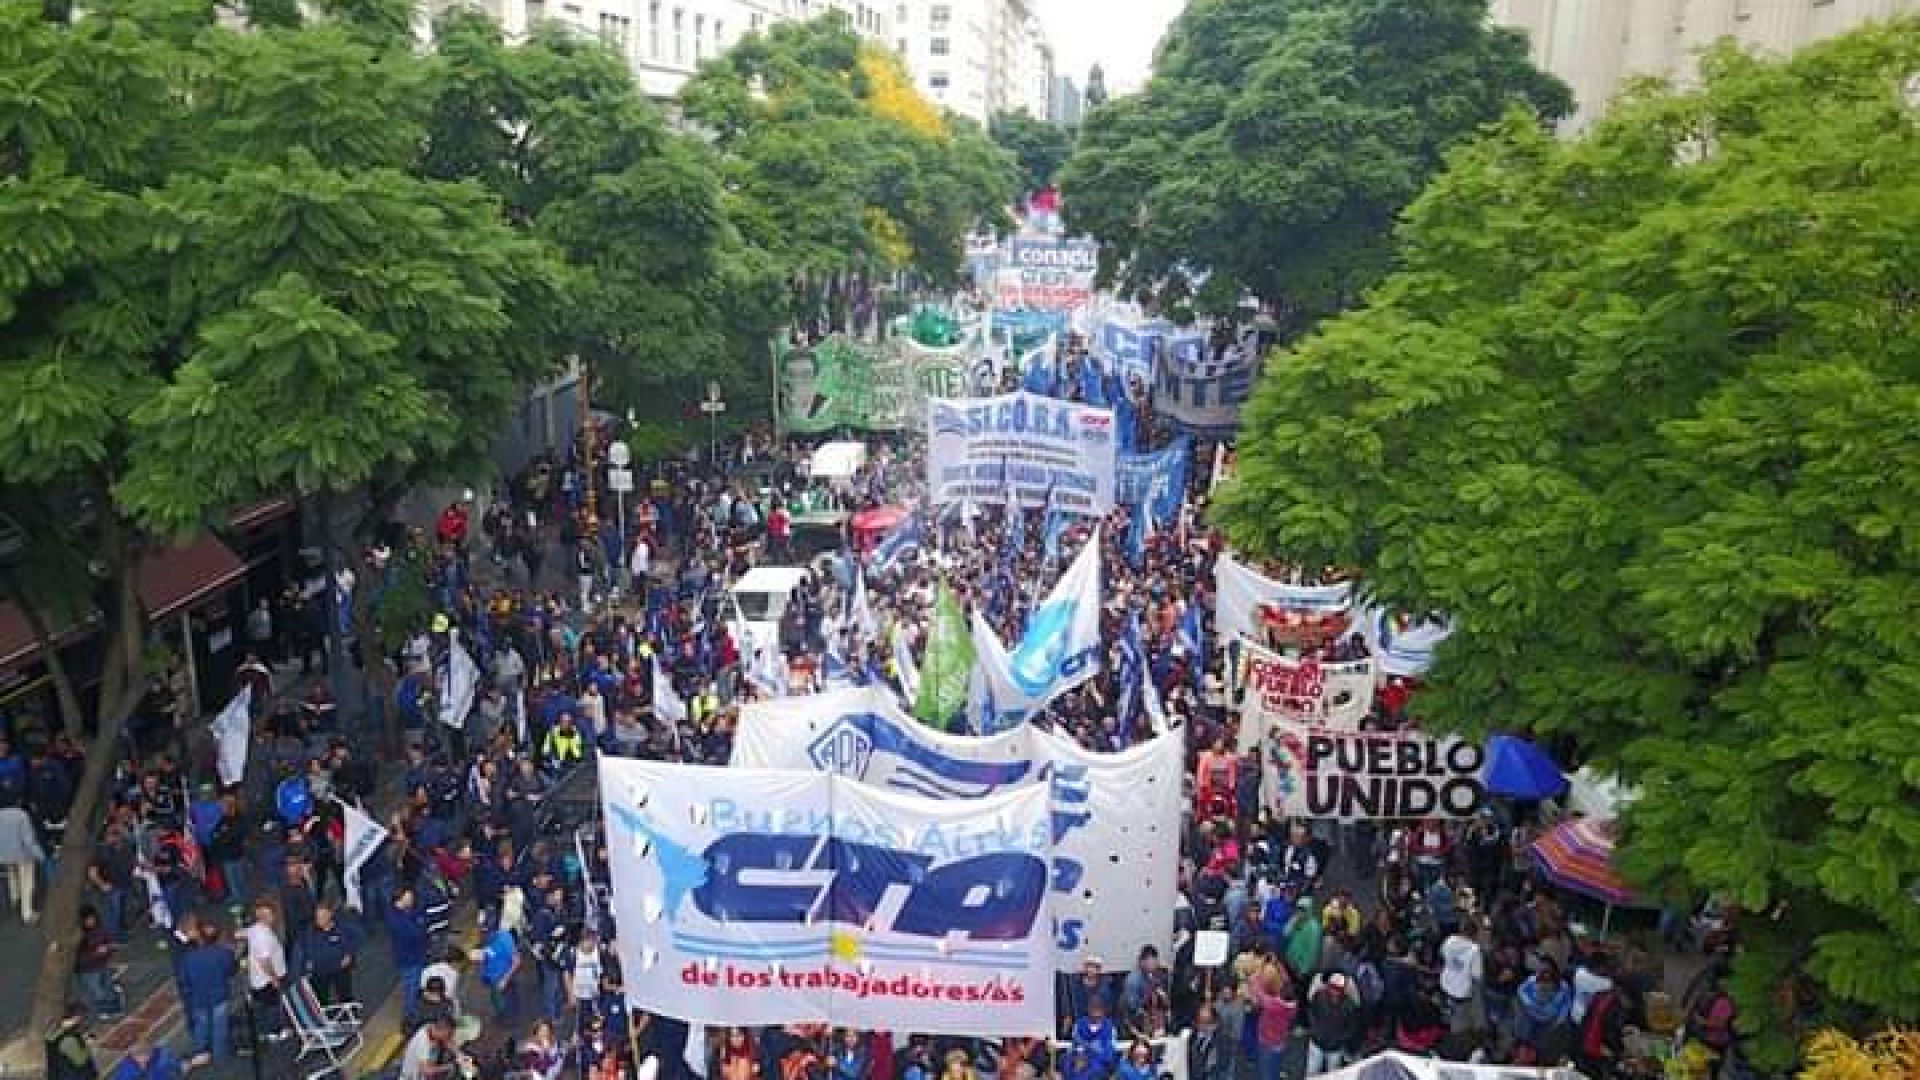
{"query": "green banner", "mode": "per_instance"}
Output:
(837, 384)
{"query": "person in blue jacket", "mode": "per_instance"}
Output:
(407, 936)
(147, 1061)
(328, 950)
(1095, 1032)
(206, 976)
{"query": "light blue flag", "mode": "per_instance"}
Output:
(1061, 647)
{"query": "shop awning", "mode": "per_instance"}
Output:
(254, 515)
(169, 581)
(176, 578)
(17, 646)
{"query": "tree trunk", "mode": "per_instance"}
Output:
(121, 689)
(72, 716)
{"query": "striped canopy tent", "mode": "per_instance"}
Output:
(1577, 855)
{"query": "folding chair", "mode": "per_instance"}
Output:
(332, 1031)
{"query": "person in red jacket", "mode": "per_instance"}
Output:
(451, 529)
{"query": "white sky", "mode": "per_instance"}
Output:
(1117, 34)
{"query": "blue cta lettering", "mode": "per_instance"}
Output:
(760, 878)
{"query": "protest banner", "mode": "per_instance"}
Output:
(1316, 772)
(1117, 815)
(1245, 593)
(1159, 477)
(1279, 689)
(1131, 344)
(1049, 273)
(762, 897)
(836, 383)
(1200, 389)
(1022, 446)
(1402, 644)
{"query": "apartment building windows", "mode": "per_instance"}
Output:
(719, 37)
(938, 16)
(938, 80)
(653, 29)
(679, 36)
(616, 30)
(939, 47)
(699, 37)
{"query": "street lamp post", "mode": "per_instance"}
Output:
(713, 406)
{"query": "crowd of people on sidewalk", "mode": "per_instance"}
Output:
(489, 893)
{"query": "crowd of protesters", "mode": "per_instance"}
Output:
(489, 896)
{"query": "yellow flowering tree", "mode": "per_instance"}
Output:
(1893, 1054)
(891, 94)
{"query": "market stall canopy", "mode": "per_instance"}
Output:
(870, 525)
(1518, 769)
(1577, 855)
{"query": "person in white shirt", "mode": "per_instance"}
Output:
(449, 977)
(430, 1054)
(1462, 967)
(640, 565)
(583, 982)
(266, 971)
(20, 856)
(1591, 978)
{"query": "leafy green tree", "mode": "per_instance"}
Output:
(833, 172)
(1638, 410)
(655, 282)
(221, 277)
(1040, 148)
(1278, 140)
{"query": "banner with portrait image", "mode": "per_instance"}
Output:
(1315, 772)
(759, 897)
(1279, 689)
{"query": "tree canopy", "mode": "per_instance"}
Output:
(224, 276)
(833, 163)
(657, 290)
(1278, 140)
(1638, 411)
(1039, 148)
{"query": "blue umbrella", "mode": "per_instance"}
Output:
(1520, 770)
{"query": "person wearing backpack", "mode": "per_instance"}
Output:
(69, 1053)
(1602, 1033)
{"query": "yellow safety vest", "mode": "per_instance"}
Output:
(563, 747)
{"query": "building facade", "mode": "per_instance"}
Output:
(1595, 46)
(976, 57)
(666, 40)
(1064, 104)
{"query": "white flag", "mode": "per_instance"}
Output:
(860, 618)
(363, 837)
(592, 898)
(231, 733)
(458, 686)
(668, 708)
(904, 665)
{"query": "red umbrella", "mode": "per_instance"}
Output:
(1578, 855)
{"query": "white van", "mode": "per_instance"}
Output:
(762, 594)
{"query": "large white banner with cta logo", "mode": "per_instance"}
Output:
(1116, 817)
(749, 897)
